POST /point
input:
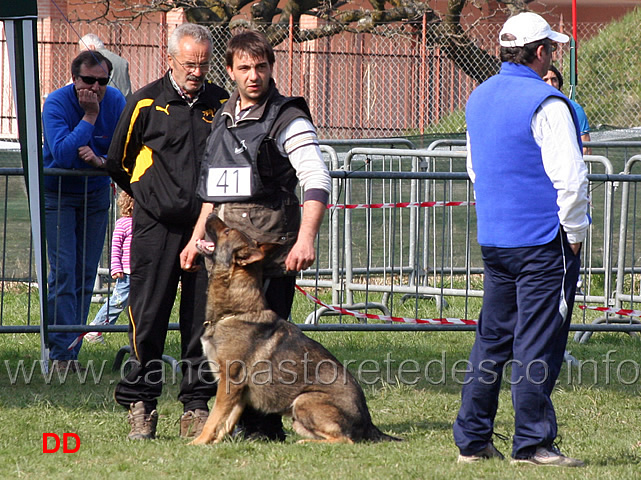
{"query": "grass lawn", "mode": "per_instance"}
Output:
(412, 382)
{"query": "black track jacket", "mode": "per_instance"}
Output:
(157, 149)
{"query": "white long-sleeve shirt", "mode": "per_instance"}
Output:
(299, 143)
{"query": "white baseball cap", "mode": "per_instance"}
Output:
(528, 27)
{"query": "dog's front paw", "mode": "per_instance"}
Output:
(198, 441)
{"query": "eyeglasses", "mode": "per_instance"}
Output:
(192, 67)
(553, 46)
(102, 81)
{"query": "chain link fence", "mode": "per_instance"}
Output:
(391, 83)
(608, 73)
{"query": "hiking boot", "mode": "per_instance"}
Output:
(67, 366)
(192, 422)
(486, 453)
(94, 337)
(143, 425)
(550, 456)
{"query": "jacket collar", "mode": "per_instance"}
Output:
(255, 111)
(187, 98)
(518, 69)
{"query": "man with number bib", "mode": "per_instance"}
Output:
(155, 157)
(261, 145)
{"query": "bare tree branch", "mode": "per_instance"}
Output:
(444, 29)
(459, 48)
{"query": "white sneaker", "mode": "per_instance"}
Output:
(487, 453)
(94, 337)
(550, 456)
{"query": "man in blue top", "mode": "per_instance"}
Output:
(78, 122)
(530, 182)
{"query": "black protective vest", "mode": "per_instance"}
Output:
(242, 162)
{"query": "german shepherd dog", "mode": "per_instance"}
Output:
(266, 362)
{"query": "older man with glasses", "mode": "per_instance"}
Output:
(155, 157)
(78, 123)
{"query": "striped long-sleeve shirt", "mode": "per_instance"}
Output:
(121, 246)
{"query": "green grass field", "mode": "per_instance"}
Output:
(412, 381)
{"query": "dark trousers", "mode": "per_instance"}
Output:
(526, 314)
(280, 295)
(155, 276)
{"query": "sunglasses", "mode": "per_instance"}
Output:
(102, 81)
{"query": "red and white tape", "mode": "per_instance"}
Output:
(369, 316)
(76, 340)
(389, 318)
(622, 311)
(400, 205)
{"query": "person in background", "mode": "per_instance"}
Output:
(120, 269)
(155, 157)
(78, 122)
(531, 189)
(554, 78)
(120, 71)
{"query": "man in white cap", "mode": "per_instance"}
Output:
(524, 157)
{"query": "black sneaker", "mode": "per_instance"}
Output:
(550, 456)
(486, 453)
(278, 435)
(254, 425)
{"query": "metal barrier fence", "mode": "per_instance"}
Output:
(398, 239)
(628, 267)
(597, 246)
(421, 203)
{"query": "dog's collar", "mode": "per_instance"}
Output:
(208, 323)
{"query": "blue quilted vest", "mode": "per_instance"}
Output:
(515, 199)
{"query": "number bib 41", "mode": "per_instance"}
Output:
(229, 182)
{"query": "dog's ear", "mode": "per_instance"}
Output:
(268, 248)
(248, 255)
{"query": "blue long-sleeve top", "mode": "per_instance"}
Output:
(65, 132)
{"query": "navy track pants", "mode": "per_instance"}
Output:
(525, 318)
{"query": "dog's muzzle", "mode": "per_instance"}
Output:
(205, 247)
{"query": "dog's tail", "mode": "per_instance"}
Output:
(375, 435)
